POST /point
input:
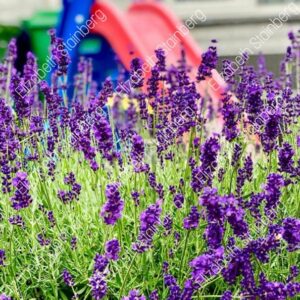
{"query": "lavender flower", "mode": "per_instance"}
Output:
(218, 210)
(112, 249)
(154, 295)
(203, 175)
(104, 137)
(276, 290)
(136, 198)
(190, 287)
(161, 59)
(73, 192)
(59, 54)
(208, 63)
(73, 243)
(51, 218)
(153, 82)
(21, 198)
(240, 264)
(192, 221)
(248, 168)
(134, 295)
(100, 263)
(43, 241)
(206, 265)
(271, 131)
(168, 223)
(2, 257)
(11, 54)
(254, 104)
(17, 220)
(291, 233)
(152, 180)
(227, 296)
(137, 153)
(294, 273)
(178, 200)
(150, 219)
(136, 73)
(244, 174)
(213, 234)
(237, 153)
(285, 158)
(112, 210)
(174, 289)
(272, 193)
(230, 112)
(68, 278)
(98, 285)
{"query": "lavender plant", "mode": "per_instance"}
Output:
(114, 195)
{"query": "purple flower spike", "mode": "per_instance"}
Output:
(4, 297)
(2, 257)
(227, 296)
(285, 157)
(192, 221)
(237, 153)
(104, 137)
(136, 73)
(100, 263)
(43, 241)
(291, 233)
(67, 277)
(168, 224)
(73, 192)
(136, 198)
(174, 289)
(21, 198)
(272, 193)
(150, 219)
(59, 53)
(209, 62)
(137, 153)
(134, 295)
(112, 249)
(202, 176)
(154, 295)
(74, 243)
(178, 200)
(17, 220)
(190, 287)
(161, 60)
(112, 210)
(98, 285)
(207, 265)
(230, 112)
(12, 50)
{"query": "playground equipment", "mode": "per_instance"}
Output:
(37, 29)
(137, 32)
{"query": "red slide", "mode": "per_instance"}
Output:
(146, 26)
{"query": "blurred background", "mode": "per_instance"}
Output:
(232, 22)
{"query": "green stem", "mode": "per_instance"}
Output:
(125, 278)
(183, 254)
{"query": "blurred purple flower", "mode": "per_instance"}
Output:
(134, 295)
(67, 277)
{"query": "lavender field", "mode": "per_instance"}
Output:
(137, 195)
